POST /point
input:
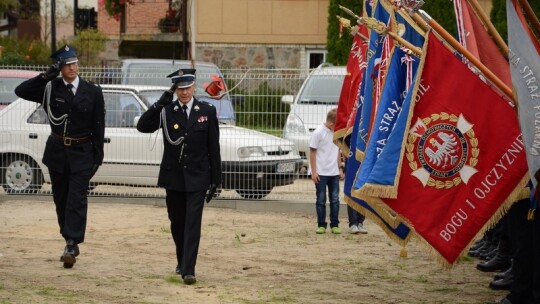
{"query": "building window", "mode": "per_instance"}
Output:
(315, 58)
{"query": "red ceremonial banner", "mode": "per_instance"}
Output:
(476, 39)
(464, 162)
(348, 99)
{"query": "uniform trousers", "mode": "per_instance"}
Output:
(70, 194)
(185, 211)
(536, 241)
(521, 238)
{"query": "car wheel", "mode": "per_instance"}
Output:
(21, 175)
(253, 194)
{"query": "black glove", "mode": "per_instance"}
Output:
(166, 98)
(94, 169)
(54, 69)
(210, 192)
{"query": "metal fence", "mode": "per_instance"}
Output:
(257, 162)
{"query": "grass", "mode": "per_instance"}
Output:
(174, 279)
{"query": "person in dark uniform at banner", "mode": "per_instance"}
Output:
(74, 149)
(524, 233)
(191, 166)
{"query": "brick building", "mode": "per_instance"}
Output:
(230, 33)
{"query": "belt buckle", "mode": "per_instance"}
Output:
(67, 141)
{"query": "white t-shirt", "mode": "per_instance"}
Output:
(327, 152)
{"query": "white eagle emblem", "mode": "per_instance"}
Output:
(445, 152)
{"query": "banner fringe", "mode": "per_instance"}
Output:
(377, 220)
(376, 190)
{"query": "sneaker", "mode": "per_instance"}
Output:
(320, 230)
(354, 229)
(336, 230)
(361, 229)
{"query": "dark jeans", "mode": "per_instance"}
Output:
(355, 217)
(332, 183)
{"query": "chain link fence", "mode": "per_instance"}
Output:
(257, 162)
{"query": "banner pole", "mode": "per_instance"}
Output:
(382, 29)
(421, 17)
(530, 14)
(490, 28)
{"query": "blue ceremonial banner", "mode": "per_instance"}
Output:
(396, 230)
(525, 70)
(374, 53)
(401, 72)
(399, 80)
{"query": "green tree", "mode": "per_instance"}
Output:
(8, 4)
(339, 48)
(498, 15)
(89, 43)
(23, 51)
(442, 11)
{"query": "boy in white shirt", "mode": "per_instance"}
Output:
(326, 171)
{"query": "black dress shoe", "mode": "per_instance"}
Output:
(70, 252)
(498, 263)
(189, 279)
(507, 272)
(502, 284)
(178, 271)
(487, 247)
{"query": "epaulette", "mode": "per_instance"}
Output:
(206, 103)
(93, 83)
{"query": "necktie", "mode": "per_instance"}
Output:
(184, 114)
(70, 89)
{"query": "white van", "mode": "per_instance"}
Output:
(319, 93)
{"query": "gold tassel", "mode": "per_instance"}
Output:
(530, 215)
(403, 252)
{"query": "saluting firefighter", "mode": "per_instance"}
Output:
(74, 149)
(191, 166)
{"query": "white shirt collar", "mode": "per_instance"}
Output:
(75, 83)
(189, 105)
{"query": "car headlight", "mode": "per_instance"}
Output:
(294, 126)
(244, 152)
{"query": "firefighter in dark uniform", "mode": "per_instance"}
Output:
(74, 149)
(190, 170)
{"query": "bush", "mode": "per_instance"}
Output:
(30, 52)
(262, 109)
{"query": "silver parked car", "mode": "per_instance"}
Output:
(253, 163)
(319, 93)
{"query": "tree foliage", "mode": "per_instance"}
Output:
(498, 15)
(8, 4)
(339, 48)
(89, 43)
(23, 51)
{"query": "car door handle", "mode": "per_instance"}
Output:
(32, 136)
(106, 140)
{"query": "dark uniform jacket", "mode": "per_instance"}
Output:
(86, 117)
(196, 163)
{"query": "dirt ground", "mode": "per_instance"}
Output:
(245, 257)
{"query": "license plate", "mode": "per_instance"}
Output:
(285, 167)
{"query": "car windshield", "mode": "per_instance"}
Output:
(7, 86)
(322, 89)
(155, 74)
